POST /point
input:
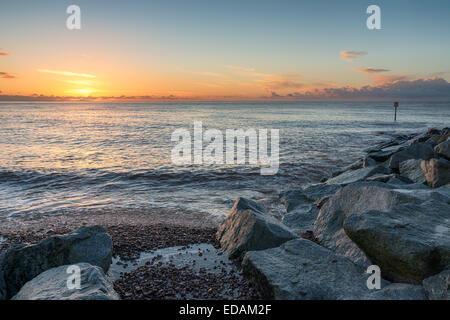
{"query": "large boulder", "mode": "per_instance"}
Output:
(352, 199)
(301, 205)
(443, 149)
(422, 150)
(411, 169)
(302, 218)
(398, 291)
(52, 285)
(361, 197)
(353, 176)
(409, 242)
(437, 287)
(248, 226)
(3, 293)
(303, 270)
(87, 244)
(436, 171)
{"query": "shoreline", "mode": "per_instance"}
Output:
(179, 254)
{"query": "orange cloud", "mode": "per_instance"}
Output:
(385, 79)
(6, 75)
(351, 55)
(4, 54)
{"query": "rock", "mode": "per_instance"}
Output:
(409, 242)
(422, 150)
(386, 153)
(361, 197)
(87, 244)
(437, 287)
(52, 285)
(411, 169)
(369, 162)
(443, 149)
(303, 270)
(301, 219)
(301, 205)
(353, 166)
(436, 171)
(398, 291)
(357, 175)
(248, 226)
(381, 177)
(3, 293)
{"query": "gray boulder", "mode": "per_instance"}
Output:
(52, 285)
(87, 244)
(361, 197)
(411, 169)
(436, 171)
(368, 162)
(422, 150)
(357, 175)
(398, 291)
(301, 205)
(437, 287)
(353, 199)
(409, 242)
(443, 149)
(3, 293)
(248, 226)
(303, 270)
(302, 218)
(386, 153)
(298, 197)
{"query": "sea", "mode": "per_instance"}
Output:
(85, 156)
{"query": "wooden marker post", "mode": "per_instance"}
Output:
(395, 107)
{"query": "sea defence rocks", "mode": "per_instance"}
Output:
(409, 242)
(443, 149)
(52, 285)
(436, 171)
(248, 226)
(411, 169)
(22, 263)
(353, 199)
(3, 293)
(423, 151)
(302, 270)
(302, 205)
(353, 176)
(437, 287)
(398, 291)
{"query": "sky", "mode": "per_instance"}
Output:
(224, 50)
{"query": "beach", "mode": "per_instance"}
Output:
(167, 226)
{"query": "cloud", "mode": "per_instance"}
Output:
(239, 68)
(419, 89)
(370, 70)
(6, 75)
(4, 54)
(67, 73)
(384, 79)
(351, 55)
(208, 74)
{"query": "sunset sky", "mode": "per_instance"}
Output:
(224, 50)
